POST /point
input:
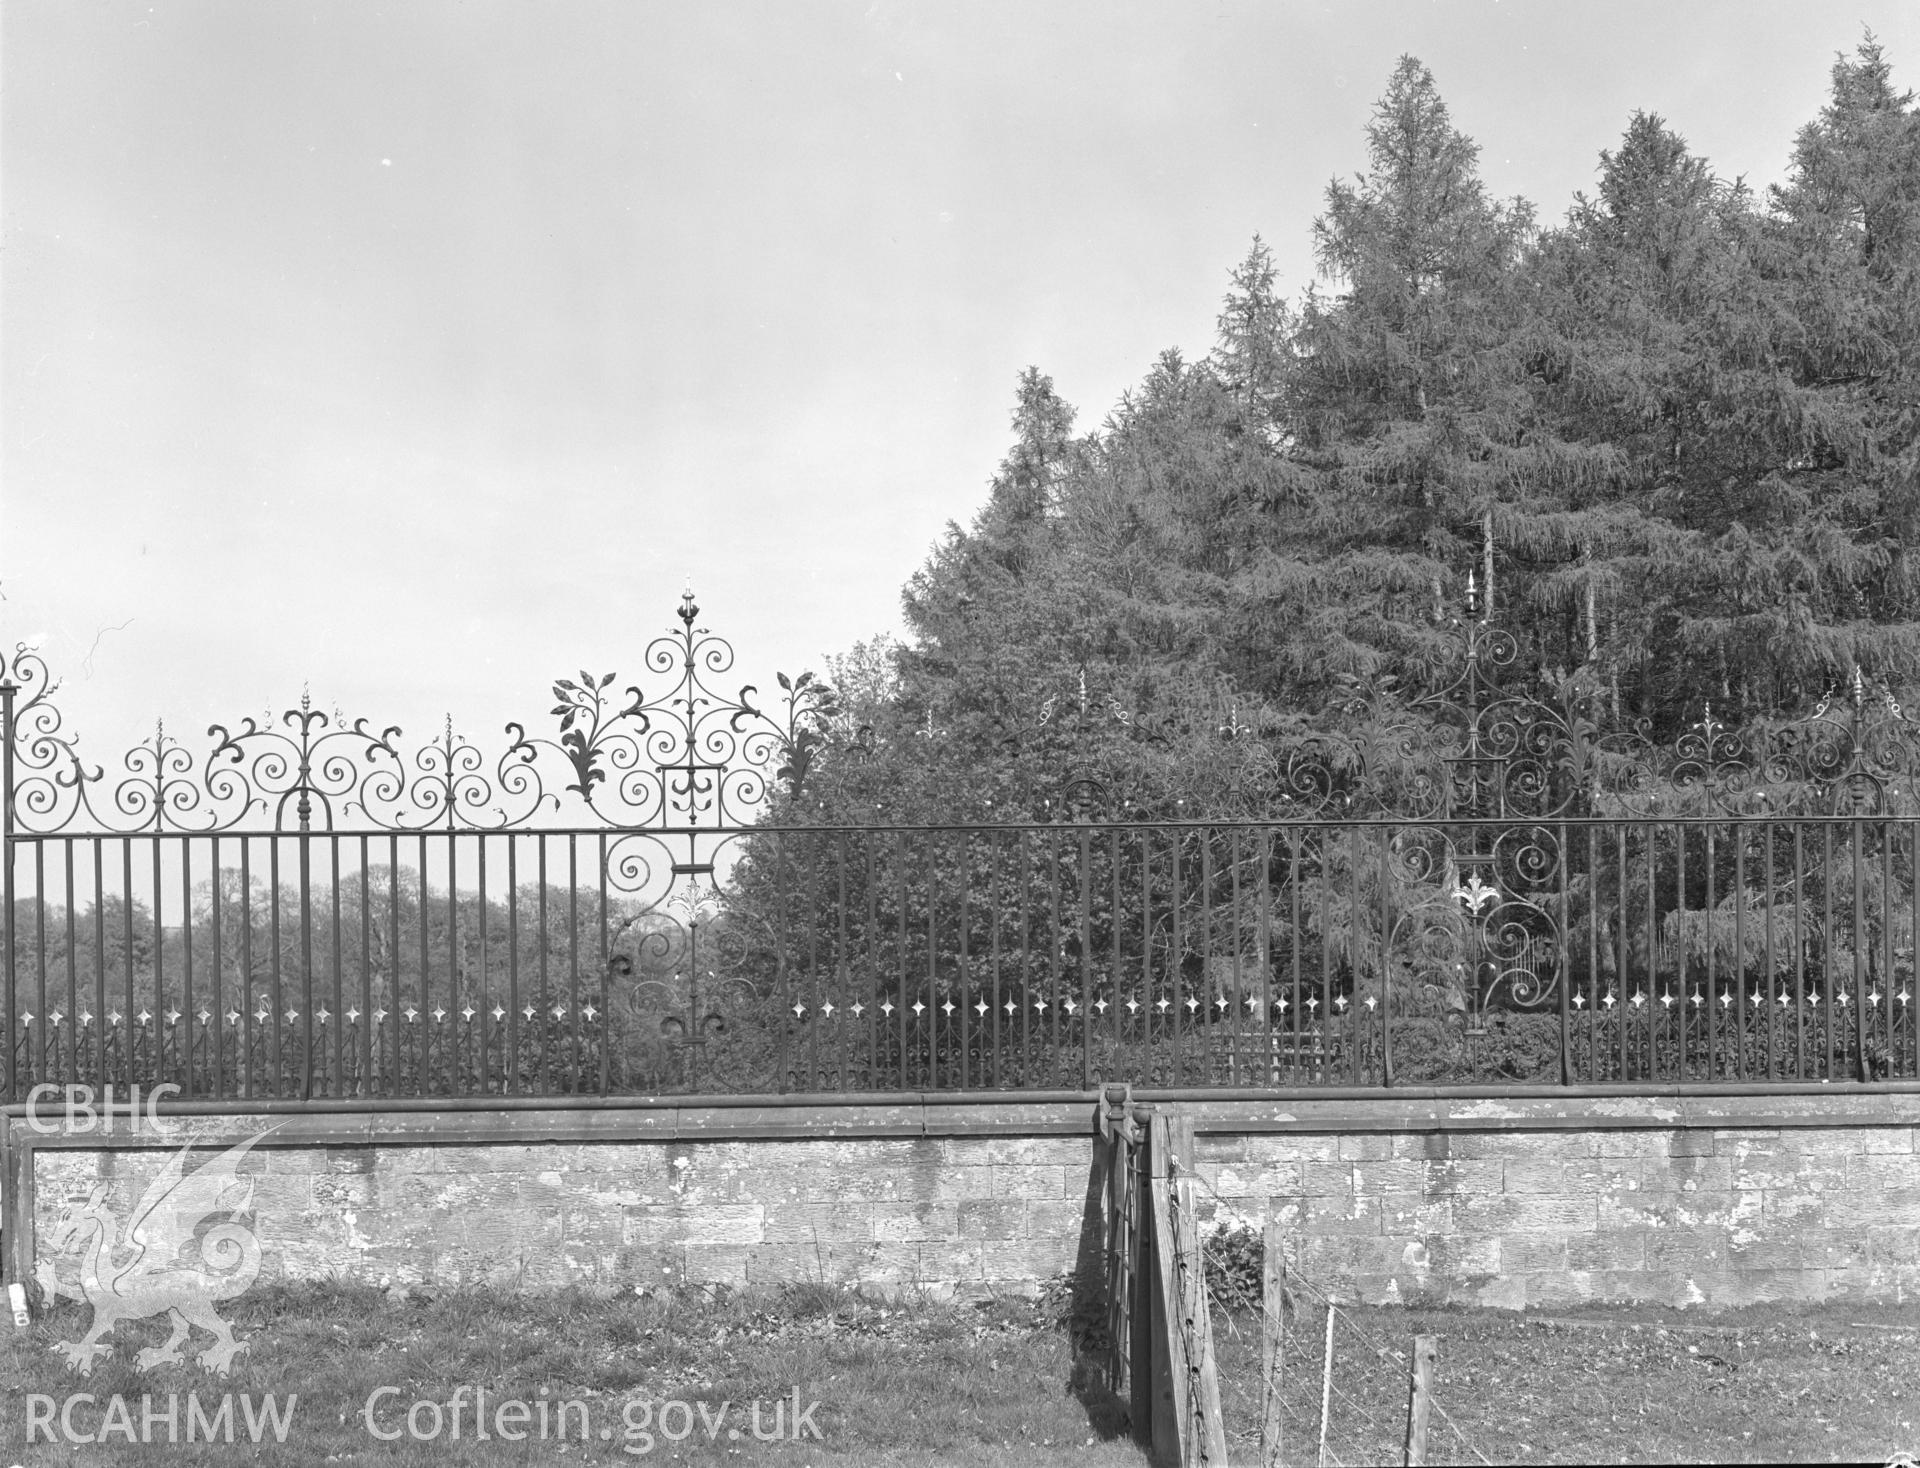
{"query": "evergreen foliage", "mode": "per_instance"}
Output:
(1676, 436)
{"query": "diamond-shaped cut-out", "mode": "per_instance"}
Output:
(411, 1013)
(918, 1009)
(1726, 998)
(1100, 1006)
(144, 1015)
(55, 1018)
(353, 1014)
(947, 1008)
(1163, 1004)
(886, 1008)
(323, 1014)
(113, 1016)
(233, 1016)
(173, 1016)
(439, 1015)
(1340, 1001)
(1133, 1005)
(799, 1011)
(559, 1011)
(292, 1015)
(1638, 999)
(86, 1016)
(1192, 1004)
(980, 1006)
(1873, 997)
(203, 1015)
(827, 1009)
(497, 1012)
(1009, 1006)
(1843, 998)
(1221, 1004)
(1753, 999)
(26, 1017)
(1283, 1003)
(467, 1012)
(379, 1016)
(260, 1016)
(1253, 1003)
(1068, 1005)
(858, 1009)
(1371, 1001)
(1040, 1006)
(1579, 1001)
(587, 1011)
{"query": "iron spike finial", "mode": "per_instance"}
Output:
(688, 611)
(1859, 688)
(1473, 594)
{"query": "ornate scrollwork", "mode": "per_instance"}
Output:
(680, 756)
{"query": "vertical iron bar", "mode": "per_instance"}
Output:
(338, 1022)
(931, 1017)
(1264, 1030)
(606, 970)
(451, 1045)
(1562, 958)
(966, 919)
(1739, 833)
(901, 927)
(1386, 990)
(187, 1088)
(306, 964)
(542, 1031)
(156, 1061)
(1799, 954)
(126, 926)
(876, 1072)
(482, 1070)
(1056, 945)
(1117, 1068)
(368, 1077)
(73, 975)
(1826, 932)
(424, 1050)
(1084, 1019)
(38, 1048)
(1176, 956)
(1682, 962)
(1860, 950)
(1024, 873)
(1622, 951)
(245, 1006)
(8, 1084)
(512, 1015)
(574, 1086)
(1768, 970)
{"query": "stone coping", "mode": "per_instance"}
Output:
(1058, 1114)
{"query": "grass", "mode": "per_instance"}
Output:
(1765, 1384)
(978, 1384)
(898, 1382)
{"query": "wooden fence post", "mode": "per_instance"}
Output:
(1273, 1291)
(1420, 1398)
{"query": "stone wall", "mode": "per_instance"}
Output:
(1543, 1201)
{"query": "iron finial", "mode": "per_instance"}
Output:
(688, 611)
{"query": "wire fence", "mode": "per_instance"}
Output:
(1301, 1379)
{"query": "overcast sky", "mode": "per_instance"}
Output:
(423, 351)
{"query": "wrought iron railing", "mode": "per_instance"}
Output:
(1503, 892)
